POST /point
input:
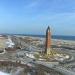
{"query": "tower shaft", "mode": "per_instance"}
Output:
(48, 41)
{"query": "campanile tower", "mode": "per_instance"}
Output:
(48, 41)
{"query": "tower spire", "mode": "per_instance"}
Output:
(48, 28)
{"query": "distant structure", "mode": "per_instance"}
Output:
(48, 42)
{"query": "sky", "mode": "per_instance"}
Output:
(34, 16)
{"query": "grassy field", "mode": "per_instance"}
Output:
(2, 43)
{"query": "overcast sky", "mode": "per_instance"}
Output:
(33, 16)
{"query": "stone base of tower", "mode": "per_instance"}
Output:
(49, 51)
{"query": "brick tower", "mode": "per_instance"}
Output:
(48, 42)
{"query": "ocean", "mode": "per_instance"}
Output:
(61, 37)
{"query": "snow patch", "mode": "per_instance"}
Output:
(2, 73)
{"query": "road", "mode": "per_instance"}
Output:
(57, 69)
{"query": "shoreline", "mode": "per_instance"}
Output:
(61, 37)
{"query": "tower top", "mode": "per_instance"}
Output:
(48, 29)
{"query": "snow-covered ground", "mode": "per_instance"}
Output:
(2, 73)
(9, 43)
(30, 55)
